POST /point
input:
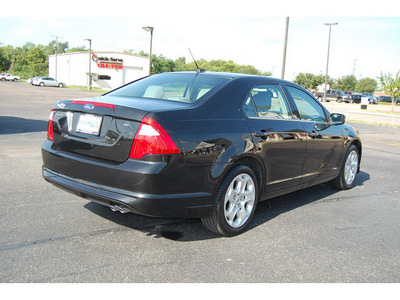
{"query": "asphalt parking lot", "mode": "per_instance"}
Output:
(315, 235)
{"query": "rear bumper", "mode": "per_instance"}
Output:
(196, 205)
(156, 191)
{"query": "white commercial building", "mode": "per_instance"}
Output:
(109, 69)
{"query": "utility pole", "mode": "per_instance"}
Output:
(354, 66)
(56, 36)
(327, 60)
(150, 29)
(285, 48)
(90, 64)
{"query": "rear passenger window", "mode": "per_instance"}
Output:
(266, 101)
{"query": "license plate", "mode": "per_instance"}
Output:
(89, 124)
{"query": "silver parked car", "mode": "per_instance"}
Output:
(47, 81)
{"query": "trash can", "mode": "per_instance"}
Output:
(364, 102)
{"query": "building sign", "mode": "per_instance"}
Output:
(108, 62)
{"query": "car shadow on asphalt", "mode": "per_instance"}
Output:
(12, 125)
(189, 230)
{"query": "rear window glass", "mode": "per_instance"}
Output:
(173, 87)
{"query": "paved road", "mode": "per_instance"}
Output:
(315, 235)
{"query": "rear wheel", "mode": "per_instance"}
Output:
(235, 202)
(41, 84)
(349, 170)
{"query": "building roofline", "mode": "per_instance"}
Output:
(98, 52)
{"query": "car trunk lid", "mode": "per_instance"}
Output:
(95, 128)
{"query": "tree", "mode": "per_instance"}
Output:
(76, 49)
(161, 64)
(366, 85)
(309, 81)
(218, 65)
(6, 57)
(36, 60)
(62, 47)
(346, 83)
(391, 86)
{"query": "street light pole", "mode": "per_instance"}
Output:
(327, 60)
(90, 64)
(285, 48)
(150, 29)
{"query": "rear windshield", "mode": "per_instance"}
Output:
(173, 87)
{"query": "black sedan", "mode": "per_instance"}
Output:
(198, 145)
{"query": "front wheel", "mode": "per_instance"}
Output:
(349, 170)
(235, 203)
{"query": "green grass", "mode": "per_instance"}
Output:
(385, 112)
(372, 123)
(80, 87)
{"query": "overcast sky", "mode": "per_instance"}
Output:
(247, 32)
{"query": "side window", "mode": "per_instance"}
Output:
(308, 107)
(266, 101)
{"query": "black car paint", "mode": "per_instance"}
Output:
(212, 134)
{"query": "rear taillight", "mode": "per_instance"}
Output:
(50, 134)
(151, 138)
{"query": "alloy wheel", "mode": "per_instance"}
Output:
(351, 167)
(239, 200)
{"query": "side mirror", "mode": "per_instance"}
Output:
(338, 119)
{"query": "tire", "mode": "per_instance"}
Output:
(349, 170)
(41, 84)
(60, 85)
(235, 203)
(339, 100)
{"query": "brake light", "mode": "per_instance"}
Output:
(50, 133)
(151, 138)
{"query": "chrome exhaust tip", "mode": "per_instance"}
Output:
(114, 208)
(124, 210)
(121, 209)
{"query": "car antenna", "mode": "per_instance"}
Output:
(199, 70)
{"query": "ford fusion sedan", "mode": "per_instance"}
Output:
(198, 145)
(47, 81)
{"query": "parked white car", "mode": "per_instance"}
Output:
(47, 81)
(29, 80)
(9, 77)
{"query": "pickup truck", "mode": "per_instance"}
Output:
(9, 77)
(334, 95)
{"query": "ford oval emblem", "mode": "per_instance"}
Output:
(88, 106)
